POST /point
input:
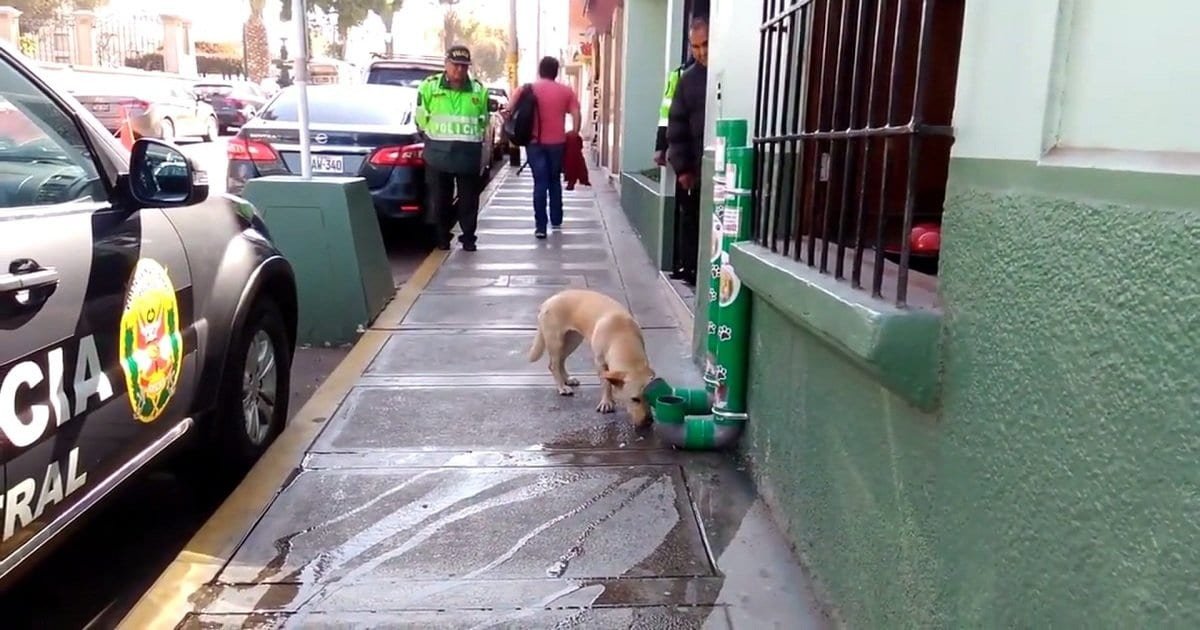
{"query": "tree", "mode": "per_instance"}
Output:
(36, 13)
(257, 49)
(450, 21)
(351, 13)
(488, 44)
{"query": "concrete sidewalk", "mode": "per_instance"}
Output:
(449, 486)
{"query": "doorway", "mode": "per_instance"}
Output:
(685, 205)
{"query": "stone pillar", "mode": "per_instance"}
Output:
(10, 24)
(179, 52)
(85, 38)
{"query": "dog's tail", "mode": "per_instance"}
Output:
(539, 346)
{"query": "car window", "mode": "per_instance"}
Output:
(43, 157)
(408, 77)
(337, 107)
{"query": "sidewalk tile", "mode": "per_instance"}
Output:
(455, 488)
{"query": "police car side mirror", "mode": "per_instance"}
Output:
(161, 176)
(493, 105)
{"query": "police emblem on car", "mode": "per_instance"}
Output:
(151, 342)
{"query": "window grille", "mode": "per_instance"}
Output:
(852, 132)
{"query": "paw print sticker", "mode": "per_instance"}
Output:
(725, 333)
(712, 328)
(712, 293)
(721, 373)
(715, 271)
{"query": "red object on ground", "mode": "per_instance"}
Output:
(574, 166)
(926, 238)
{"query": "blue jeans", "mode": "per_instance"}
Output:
(546, 163)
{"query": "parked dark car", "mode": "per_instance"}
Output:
(234, 102)
(411, 70)
(139, 318)
(355, 130)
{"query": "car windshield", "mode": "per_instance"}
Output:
(342, 108)
(408, 77)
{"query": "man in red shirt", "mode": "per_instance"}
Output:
(555, 101)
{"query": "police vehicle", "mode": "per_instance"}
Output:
(138, 317)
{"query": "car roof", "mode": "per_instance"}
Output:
(357, 91)
(410, 61)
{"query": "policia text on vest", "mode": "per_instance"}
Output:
(453, 118)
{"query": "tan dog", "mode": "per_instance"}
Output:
(567, 318)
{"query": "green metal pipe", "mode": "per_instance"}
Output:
(730, 132)
(708, 432)
(733, 331)
(714, 418)
(684, 419)
(694, 400)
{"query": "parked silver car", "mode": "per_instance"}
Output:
(155, 109)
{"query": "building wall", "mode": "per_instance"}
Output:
(643, 81)
(1053, 483)
(733, 67)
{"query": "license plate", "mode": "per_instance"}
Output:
(100, 107)
(327, 164)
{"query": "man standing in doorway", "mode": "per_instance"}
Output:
(685, 147)
(555, 101)
(452, 112)
(664, 110)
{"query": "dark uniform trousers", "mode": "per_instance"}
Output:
(448, 209)
(687, 233)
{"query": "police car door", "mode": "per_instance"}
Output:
(67, 264)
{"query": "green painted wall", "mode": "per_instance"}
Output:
(646, 211)
(1058, 485)
(645, 75)
(850, 468)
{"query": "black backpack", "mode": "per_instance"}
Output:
(519, 126)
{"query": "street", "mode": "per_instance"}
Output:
(93, 579)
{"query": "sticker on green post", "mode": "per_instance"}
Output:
(729, 133)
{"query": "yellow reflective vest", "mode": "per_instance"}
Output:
(454, 122)
(664, 108)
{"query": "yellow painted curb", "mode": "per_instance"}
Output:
(168, 601)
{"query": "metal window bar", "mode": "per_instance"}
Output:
(811, 121)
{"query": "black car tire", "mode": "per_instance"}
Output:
(233, 443)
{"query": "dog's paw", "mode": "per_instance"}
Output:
(565, 391)
(573, 382)
(606, 407)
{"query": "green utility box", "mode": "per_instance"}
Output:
(328, 230)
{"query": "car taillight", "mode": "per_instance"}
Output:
(408, 155)
(135, 103)
(251, 150)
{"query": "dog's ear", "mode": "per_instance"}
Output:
(617, 379)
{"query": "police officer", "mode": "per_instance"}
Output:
(660, 158)
(664, 109)
(452, 112)
(685, 147)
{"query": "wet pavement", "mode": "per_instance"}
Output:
(454, 488)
